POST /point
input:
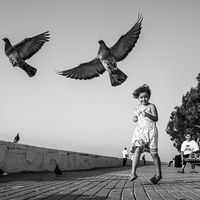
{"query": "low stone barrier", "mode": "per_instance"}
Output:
(20, 158)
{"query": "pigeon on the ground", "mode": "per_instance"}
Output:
(25, 49)
(57, 171)
(107, 58)
(16, 139)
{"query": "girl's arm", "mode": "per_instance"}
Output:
(153, 115)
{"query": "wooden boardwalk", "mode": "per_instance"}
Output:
(100, 184)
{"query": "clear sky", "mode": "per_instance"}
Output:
(52, 111)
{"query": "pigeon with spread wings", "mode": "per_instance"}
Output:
(107, 58)
(25, 49)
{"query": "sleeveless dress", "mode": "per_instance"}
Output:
(145, 134)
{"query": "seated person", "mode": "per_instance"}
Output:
(188, 146)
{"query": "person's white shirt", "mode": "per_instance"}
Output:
(124, 153)
(189, 146)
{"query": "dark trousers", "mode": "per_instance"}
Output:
(184, 163)
(170, 162)
(124, 161)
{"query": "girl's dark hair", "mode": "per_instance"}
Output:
(138, 91)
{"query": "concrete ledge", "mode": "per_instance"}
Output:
(19, 158)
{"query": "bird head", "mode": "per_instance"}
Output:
(101, 42)
(5, 40)
(7, 45)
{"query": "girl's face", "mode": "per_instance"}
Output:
(144, 98)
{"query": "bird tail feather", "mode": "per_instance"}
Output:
(117, 77)
(31, 71)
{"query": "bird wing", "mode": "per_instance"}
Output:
(126, 42)
(85, 71)
(29, 46)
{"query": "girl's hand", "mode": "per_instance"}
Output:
(144, 114)
(135, 118)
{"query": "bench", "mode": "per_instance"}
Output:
(193, 158)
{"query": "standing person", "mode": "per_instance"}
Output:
(145, 136)
(124, 156)
(188, 146)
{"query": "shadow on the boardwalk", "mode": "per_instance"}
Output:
(67, 175)
(97, 184)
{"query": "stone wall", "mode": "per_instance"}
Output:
(19, 158)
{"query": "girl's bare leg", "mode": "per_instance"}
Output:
(135, 162)
(157, 163)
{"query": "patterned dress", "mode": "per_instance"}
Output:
(146, 133)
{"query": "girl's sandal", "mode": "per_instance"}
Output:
(133, 177)
(156, 179)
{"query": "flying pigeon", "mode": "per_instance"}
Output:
(57, 171)
(107, 58)
(16, 139)
(25, 49)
